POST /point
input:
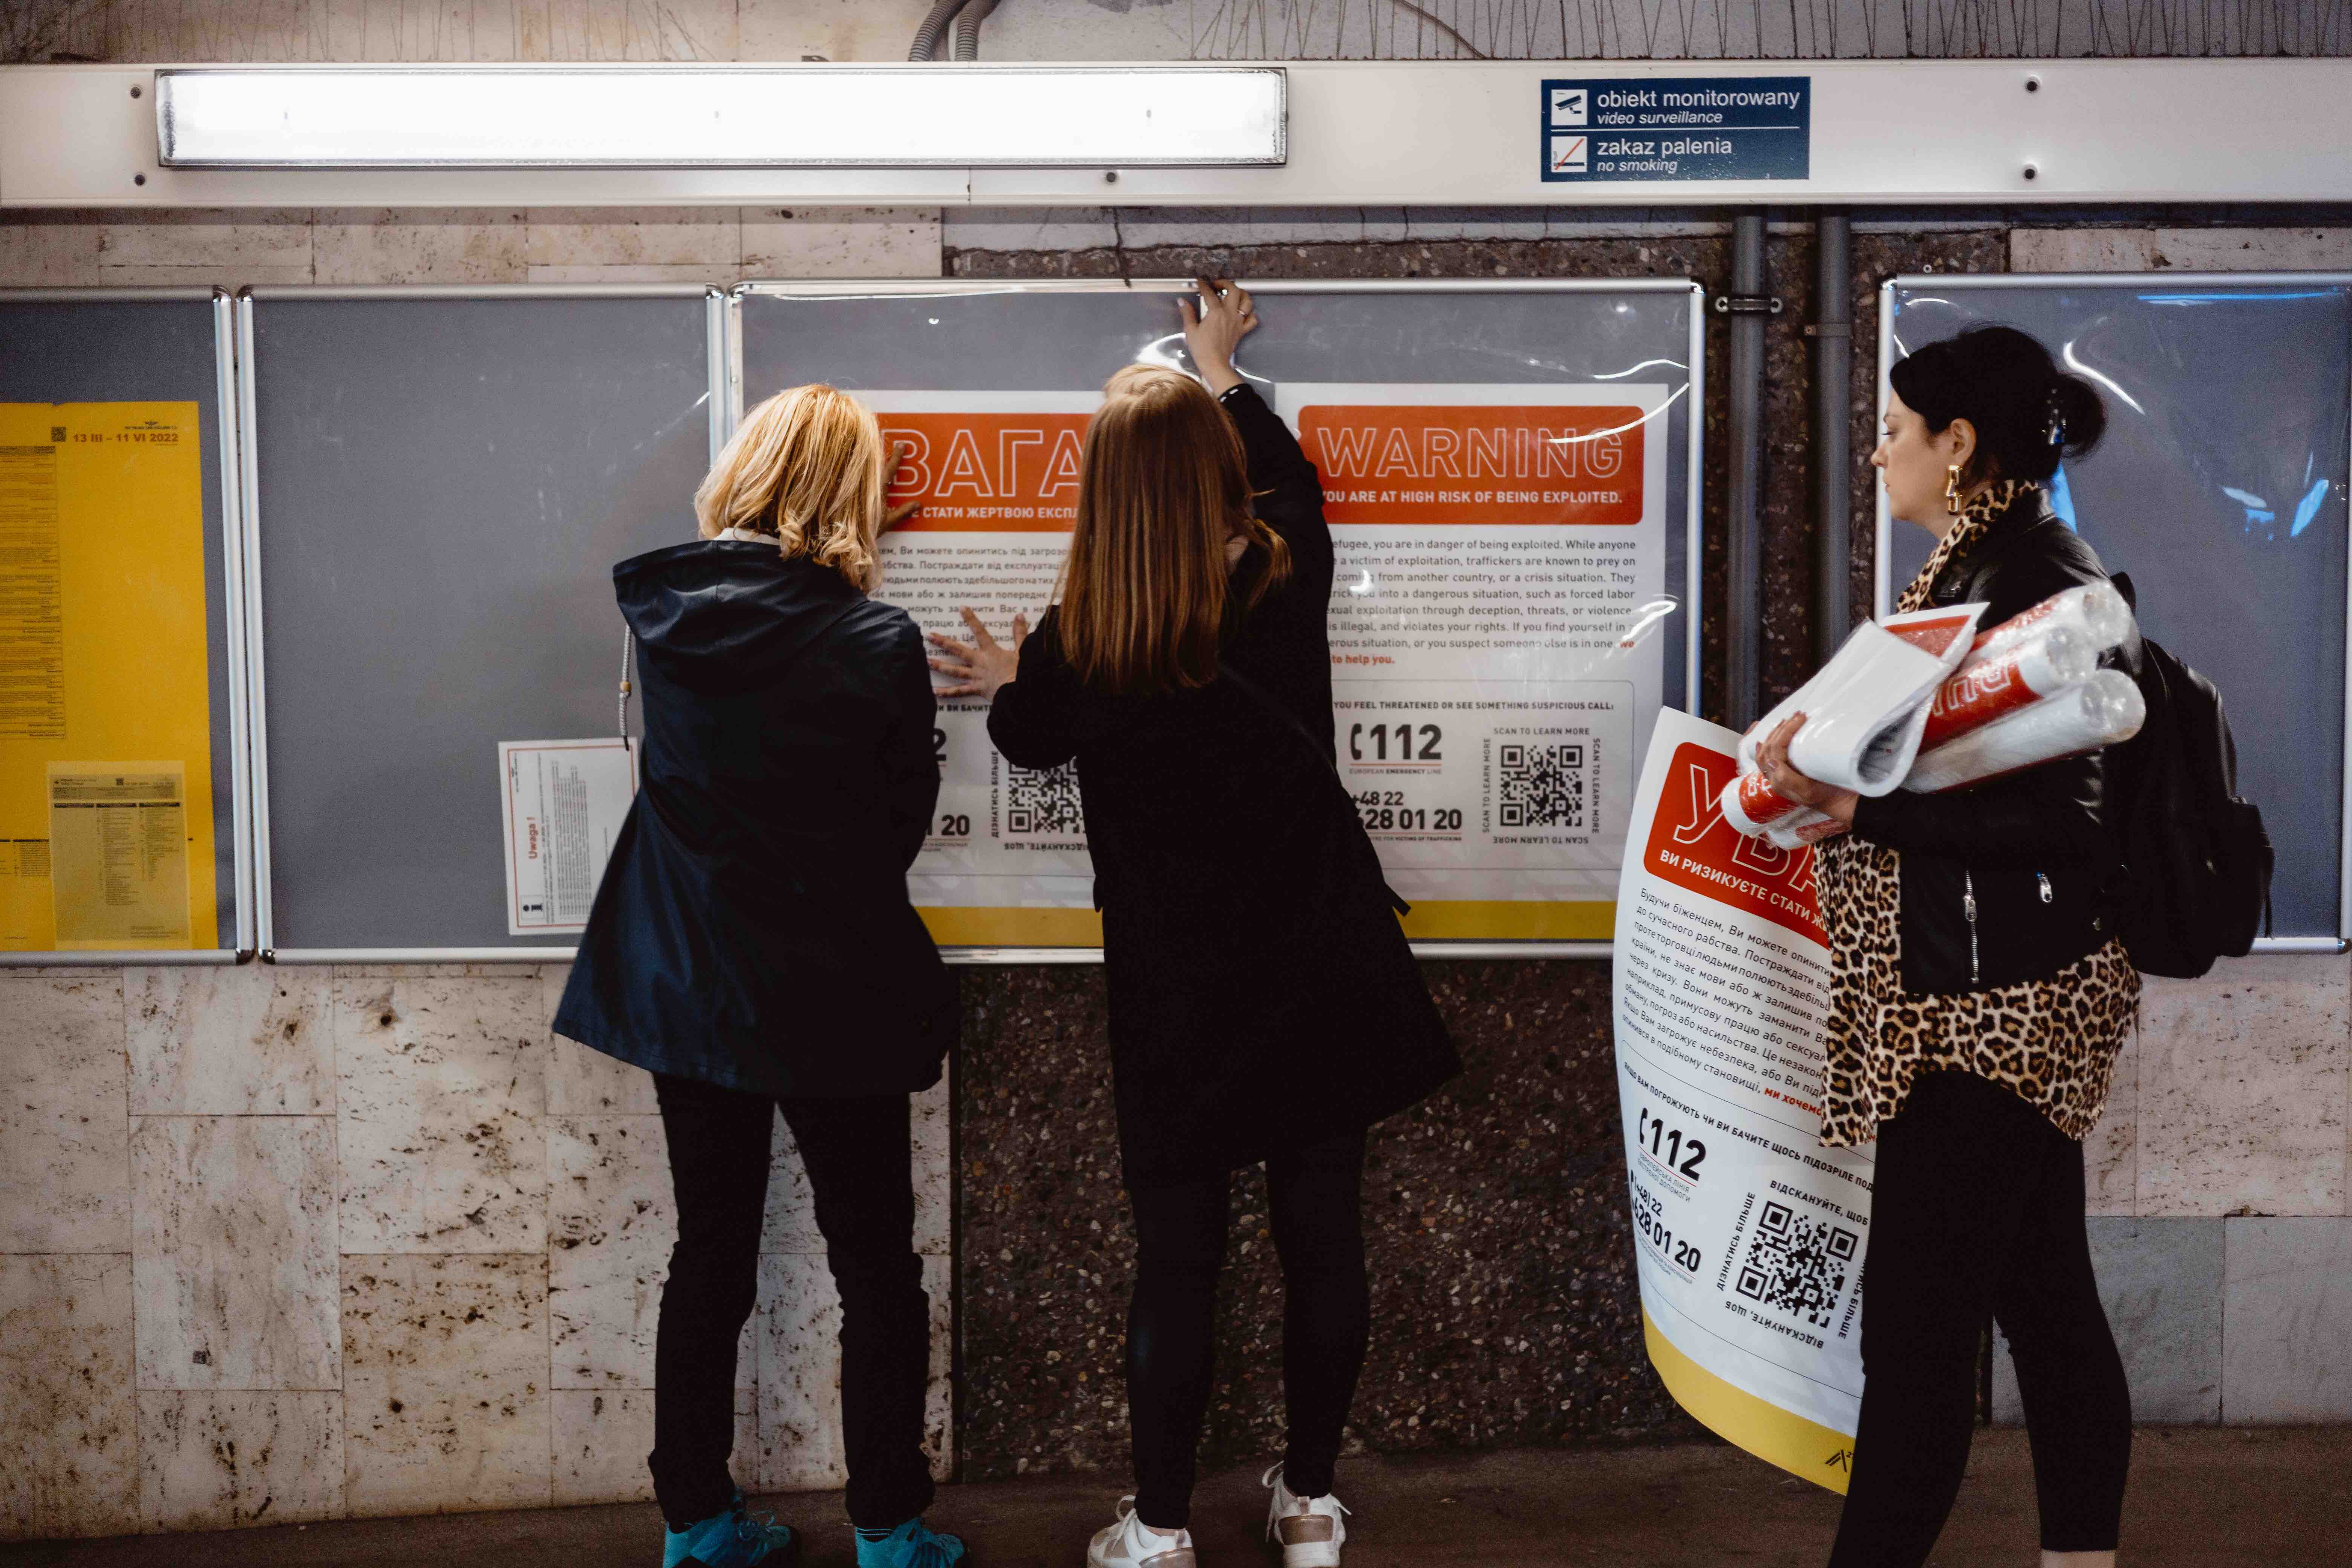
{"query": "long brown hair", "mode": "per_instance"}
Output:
(807, 466)
(1145, 594)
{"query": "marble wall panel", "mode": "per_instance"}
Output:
(2082, 250)
(611, 1225)
(65, 1126)
(2245, 1077)
(2286, 1321)
(418, 245)
(47, 250)
(441, 1086)
(213, 1460)
(233, 1243)
(602, 1439)
(584, 1082)
(840, 242)
(800, 1441)
(934, 1127)
(230, 1040)
(66, 1383)
(445, 1384)
(2160, 1281)
(790, 1224)
(198, 247)
(2111, 1153)
(2254, 250)
(834, 30)
(634, 245)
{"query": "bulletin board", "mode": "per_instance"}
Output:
(124, 794)
(1511, 473)
(2221, 488)
(439, 483)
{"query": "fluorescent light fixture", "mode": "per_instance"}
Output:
(820, 116)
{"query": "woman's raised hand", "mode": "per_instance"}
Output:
(980, 666)
(899, 452)
(1772, 761)
(1218, 314)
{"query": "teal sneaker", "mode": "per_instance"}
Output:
(912, 1545)
(732, 1539)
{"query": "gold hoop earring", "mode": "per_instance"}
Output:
(1952, 490)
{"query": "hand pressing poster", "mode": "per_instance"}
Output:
(1750, 1236)
(996, 474)
(1497, 636)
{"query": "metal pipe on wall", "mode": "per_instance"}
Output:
(1743, 549)
(1833, 372)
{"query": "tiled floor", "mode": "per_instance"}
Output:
(2200, 1499)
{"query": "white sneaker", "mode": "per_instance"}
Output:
(1129, 1544)
(1310, 1530)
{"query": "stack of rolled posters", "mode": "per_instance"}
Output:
(2105, 709)
(2032, 681)
(1867, 708)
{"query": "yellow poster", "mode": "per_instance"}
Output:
(106, 806)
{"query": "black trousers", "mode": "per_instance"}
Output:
(857, 1153)
(1978, 1213)
(1316, 1202)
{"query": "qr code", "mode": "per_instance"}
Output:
(1542, 786)
(1798, 1264)
(1042, 802)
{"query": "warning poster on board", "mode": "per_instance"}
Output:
(1748, 1235)
(1005, 862)
(1496, 635)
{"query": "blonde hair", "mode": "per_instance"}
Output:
(1145, 593)
(807, 466)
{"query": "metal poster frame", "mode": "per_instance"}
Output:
(235, 628)
(256, 666)
(1883, 590)
(1693, 467)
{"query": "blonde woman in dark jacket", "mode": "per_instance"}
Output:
(752, 945)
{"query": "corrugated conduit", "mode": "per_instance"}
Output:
(927, 36)
(967, 28)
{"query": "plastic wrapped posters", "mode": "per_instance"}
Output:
(106, 807)
(1497, 636)
(1005, 862)
(1750, 1236)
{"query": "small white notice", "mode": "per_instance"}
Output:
(564, 802)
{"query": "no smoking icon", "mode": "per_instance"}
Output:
(1567, 106)
(1571, 154)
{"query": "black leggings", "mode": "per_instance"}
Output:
(856, 1152)
(1978, 1213)
(1315, 1196)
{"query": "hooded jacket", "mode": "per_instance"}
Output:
(752, 928)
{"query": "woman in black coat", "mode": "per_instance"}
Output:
(1978, 998)
(752, 945)
(1263, 1003)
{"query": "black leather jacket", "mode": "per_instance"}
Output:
(2010, 881)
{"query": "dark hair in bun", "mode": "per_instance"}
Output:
(2026, 411)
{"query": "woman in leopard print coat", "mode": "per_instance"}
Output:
(1978, 1000)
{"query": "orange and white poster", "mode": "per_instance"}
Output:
(1005, 862)
(1748, 1235)
(1498, 627)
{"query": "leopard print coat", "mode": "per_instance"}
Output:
(2051, 1041)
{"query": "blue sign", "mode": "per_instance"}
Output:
(1678, 128)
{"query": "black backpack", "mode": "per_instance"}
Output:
(2197, 862)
